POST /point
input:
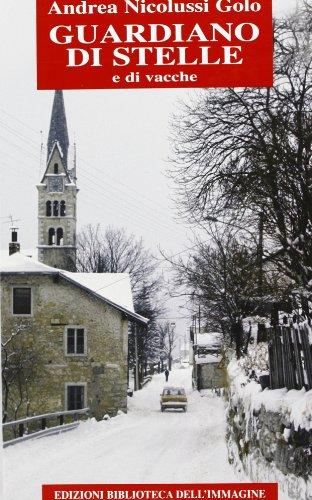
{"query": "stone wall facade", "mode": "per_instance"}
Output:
(58, 304)
(210, 375)
(266, 446)
(64, 256)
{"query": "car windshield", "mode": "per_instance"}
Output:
(174, 392)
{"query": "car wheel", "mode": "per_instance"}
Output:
(184, 409)
(162, 409)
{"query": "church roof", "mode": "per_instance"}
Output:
(112, 288)
(58, 127)
(57, 146)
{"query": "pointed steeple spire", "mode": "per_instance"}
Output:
(58, 126)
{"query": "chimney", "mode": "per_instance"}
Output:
(14, 246)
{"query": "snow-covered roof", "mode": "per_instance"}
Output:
(56, 145)
(19, 263)
(113, 288)
(210, 340)
(204, 359)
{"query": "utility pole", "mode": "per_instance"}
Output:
(136, 375)
(192, 339)
(260, 254)
(195, 328)
(170, 343)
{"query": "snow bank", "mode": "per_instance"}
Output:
(263, 433)
(295, 405)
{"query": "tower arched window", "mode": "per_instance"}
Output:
(59, 236)
(55, 208)
(51, 236)
(62, 208)
(48, 208)
(56, 168)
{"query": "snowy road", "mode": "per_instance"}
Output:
(142, 446)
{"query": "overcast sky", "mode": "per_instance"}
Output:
(122, 142)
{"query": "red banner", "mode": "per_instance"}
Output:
(251, 491)
(154, 43)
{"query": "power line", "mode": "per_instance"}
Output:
(146, 216)
(19, 121)
(113, 283)
(142, 221)
(85, 162)
(159, 260)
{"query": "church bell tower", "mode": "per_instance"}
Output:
(57, 196)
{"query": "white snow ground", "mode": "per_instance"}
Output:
(144, 446)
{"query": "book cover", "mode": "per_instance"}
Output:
(155, 250)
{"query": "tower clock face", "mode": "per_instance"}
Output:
(55, 184)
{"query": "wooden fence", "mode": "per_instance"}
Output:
(290, 358)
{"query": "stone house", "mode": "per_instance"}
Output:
(77, 326)
(70, 329)
(209, 369)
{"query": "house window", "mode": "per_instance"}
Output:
(22, 301)
(56, 168)
(75, 397)
(75, 341)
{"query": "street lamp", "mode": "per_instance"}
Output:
(209, 218)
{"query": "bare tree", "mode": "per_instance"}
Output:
(114, 251)
(222, 277)
(242, 151)
(19, 367)
(168, 340)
